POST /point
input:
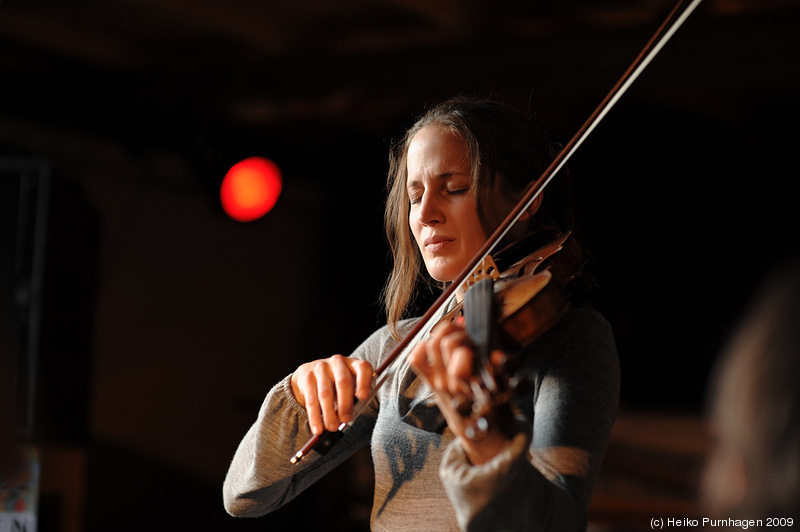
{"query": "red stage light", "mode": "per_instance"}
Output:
(250, 189)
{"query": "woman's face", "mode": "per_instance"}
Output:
(442, 215)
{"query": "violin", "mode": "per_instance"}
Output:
(506, 308)
(537, 279)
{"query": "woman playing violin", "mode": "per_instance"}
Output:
(454, 176)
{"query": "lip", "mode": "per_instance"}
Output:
(436, 243)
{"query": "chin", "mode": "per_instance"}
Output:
(443, 277)
(443, 271)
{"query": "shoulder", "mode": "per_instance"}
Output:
(583, 339)
(586, 323)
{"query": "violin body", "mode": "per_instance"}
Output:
(505, 312)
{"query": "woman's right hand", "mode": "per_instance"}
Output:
(326, 388)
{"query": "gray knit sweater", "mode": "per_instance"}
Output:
(423, 480)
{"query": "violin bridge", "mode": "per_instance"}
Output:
(487, 269)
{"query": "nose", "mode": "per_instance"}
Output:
(430, 211)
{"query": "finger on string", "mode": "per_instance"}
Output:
(459, 369)
(498, 357)
(453, 340)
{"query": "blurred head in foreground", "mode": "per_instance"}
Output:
(754, 468)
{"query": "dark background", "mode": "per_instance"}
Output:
(162, 323)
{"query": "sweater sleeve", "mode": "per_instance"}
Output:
(260, 478)
(544, 478)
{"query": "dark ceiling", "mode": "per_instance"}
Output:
(204, 74)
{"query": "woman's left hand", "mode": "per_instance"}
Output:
(445, 361)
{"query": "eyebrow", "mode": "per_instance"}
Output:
(443, 176)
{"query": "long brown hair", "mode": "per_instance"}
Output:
(503, 143)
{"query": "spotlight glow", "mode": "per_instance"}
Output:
(250, 189)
